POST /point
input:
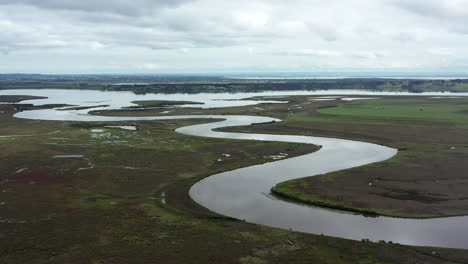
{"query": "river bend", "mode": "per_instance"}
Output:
(245, 193)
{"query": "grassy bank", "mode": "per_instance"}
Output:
(428, 170)
(289, 192)
(427, 177)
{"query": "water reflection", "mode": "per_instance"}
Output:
(241, 193)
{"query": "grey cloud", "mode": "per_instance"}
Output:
(363, 55)
(426, 8)
(308, 52)
(326, 33)
(15, 36)
(450, 14)
(122, 7)
(434, 8)
(367, 55)
(354, 33)
(403, 37)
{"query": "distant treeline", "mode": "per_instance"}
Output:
(416, 86)
(190, 84)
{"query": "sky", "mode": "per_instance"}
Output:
(208, 36)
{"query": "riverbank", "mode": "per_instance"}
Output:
(17, 98)
(128, 207)
(425, 180)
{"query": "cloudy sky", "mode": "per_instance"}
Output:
(196, 36)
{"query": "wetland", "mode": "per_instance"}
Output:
(137, 178)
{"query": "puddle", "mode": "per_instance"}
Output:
(448, 97)
(116, 142)
(322, 99)
(67, 156)
(129, 168)
(131, 128)
(107, 135)
(20, 171)
(11, 136)
(357, 98)
(277, 157)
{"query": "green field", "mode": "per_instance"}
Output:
(440, 110)
(413, 111)
(431, 134)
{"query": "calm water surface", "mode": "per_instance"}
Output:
(245, 193)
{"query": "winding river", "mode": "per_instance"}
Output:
(245, 193)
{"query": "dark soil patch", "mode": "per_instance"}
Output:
(161, 103)
(34, 178)
(18, 98)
